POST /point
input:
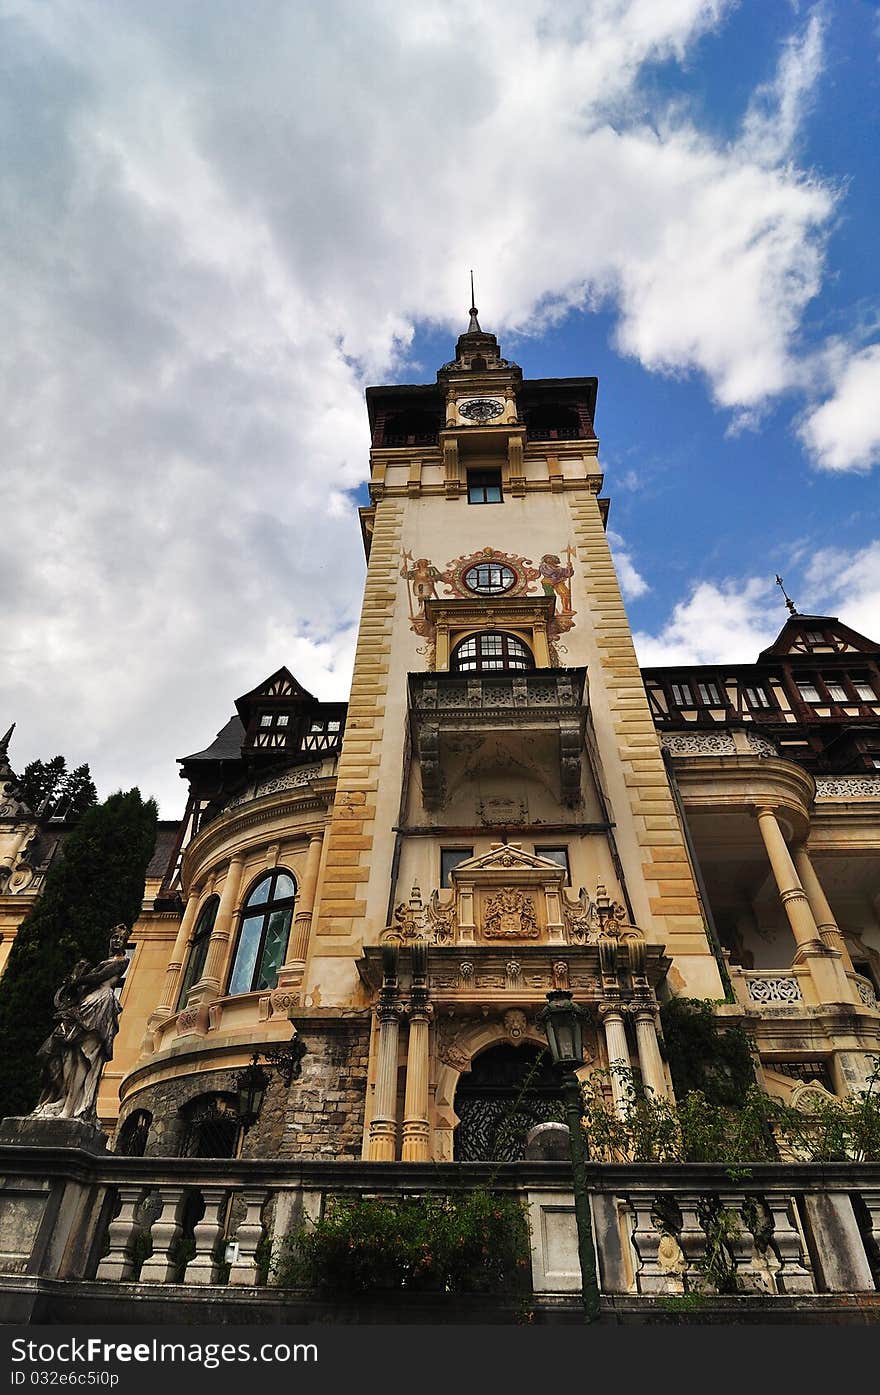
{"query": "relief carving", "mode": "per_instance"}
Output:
(510, 914)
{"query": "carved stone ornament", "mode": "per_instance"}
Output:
(515, 1024)
(784, 989)
(510, 915)
(560, 975)
(699, 743)
(414, 920)
(848, 787)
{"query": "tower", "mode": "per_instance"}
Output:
(501, 800)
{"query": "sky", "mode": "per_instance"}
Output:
(219, 222)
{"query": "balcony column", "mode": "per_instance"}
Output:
(416, 1127)
(168, 996)
(293, 968)
(791, 893)
(383, 1125)
(822, 912)
(208, 987)
(618, 1053)
(650, 1060)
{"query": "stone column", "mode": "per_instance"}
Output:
(297, 947)
(650, 1061)
(416, 1128)
(167, 999)
(383, 1125)
(208, 986)
(791, 893)
(822, 912)
(618, 1052)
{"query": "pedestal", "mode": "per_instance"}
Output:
(35, 1131)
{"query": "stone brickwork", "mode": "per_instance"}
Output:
(321, 1115)
(324, 1112)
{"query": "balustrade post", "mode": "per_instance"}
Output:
(794, 1276)
(160, 1267)
(204, 1268)
(661, 1263)
(123, 1230)
(692, 1236)
(243, 1270)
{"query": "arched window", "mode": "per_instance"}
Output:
(212, 1128)
(132, 1140)
(264, 932)
(198, 949)
(490, 651)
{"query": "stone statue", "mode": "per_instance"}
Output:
(86, 1022)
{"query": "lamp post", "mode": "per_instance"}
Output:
(562, 1020)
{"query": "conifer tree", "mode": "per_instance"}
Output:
(65, 792)
(97, 883)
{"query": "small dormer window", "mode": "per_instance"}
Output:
(814, 637)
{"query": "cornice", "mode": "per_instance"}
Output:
(232, 826)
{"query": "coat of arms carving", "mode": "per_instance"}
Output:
(510, 914)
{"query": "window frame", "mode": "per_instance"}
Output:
(479, 479)
(460, 855)
(201, 934)
(489, 591)
(681, 686)
(547, 848)
(249, 911)
(758, 687)
(479, 664)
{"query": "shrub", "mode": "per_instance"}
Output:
(475, 1243)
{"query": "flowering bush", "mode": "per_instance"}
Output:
(475, 1243)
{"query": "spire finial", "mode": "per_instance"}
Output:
(474, 326)
(4, 742)
(793, 610)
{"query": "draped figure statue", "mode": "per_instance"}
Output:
(86, 1022)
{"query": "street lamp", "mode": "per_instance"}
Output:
(250, 1092)
(562, 1020)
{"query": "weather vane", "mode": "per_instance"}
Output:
(788, 601)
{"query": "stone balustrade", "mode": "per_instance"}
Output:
(150, 1229)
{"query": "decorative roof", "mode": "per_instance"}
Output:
(794, 639)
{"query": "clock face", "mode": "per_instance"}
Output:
(481, 408)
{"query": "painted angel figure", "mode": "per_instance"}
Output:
(422, 576)
(556, 576)
(81, 1042)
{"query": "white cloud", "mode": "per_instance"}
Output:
(733, 620)
(847, 584)
(844, 432)
(720, 622)
(217, 224)
(632, 583)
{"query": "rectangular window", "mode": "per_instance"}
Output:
(449, 858)
(757, 697)
(265, 719)
(864, 689)
(558, 855)
(814, 637)
(836, 692)
(484, 486)
(681, 694)
(808, 691)
(709, 694)
(283, 720)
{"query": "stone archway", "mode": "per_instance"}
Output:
(457, 1061)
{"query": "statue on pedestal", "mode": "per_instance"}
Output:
(81, 1042)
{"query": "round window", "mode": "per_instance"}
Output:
(489, 578)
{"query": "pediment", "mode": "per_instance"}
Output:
(510, 859)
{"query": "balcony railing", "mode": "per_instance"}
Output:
(191, 1230)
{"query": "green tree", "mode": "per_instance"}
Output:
(97, 883)
(69, 792)
(704, 1054)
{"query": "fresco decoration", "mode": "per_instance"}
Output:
(552, 577)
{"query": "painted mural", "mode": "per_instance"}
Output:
(474, 573)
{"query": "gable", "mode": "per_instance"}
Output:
(809, 636)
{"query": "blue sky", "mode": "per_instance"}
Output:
(219, 224)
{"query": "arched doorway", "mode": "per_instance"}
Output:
(508, 1090)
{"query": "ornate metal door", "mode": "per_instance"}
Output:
(508, 1090)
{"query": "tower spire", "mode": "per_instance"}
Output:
(474, 326)
(4, 742)
(793, 610)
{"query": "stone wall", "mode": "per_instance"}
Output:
(321, 1115)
